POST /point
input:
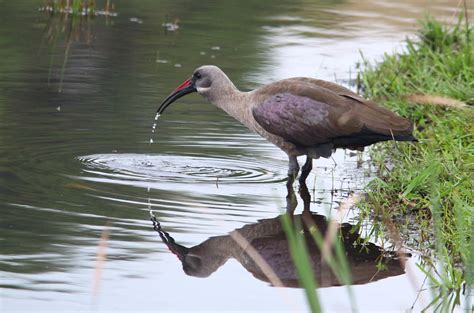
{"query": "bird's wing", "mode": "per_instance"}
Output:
(297, 119)
(375, 117)
(307, 114)
(336, 88)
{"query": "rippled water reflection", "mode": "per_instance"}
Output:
(77, 162)
(184, 169)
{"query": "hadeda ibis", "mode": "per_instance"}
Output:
(300, 115)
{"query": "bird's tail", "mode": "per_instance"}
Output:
(405, 138)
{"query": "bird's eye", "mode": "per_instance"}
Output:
(197, 75)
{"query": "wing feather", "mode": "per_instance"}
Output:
(297, 119)
(308, 114)
(374, 117)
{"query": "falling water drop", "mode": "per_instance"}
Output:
(153, 127)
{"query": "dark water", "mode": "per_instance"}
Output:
(77, 165)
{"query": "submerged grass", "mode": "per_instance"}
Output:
(71, 21)
(426, 188)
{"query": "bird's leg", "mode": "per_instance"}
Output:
(306, 169)
(304, 193)
(293, 170)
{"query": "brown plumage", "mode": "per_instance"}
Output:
(302, 116)
(310, 113)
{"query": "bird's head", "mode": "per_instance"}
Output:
(207, 80)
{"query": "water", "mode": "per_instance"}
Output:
(153, 127)
(76, 166)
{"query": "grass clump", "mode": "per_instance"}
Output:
(425, 190)
(78, 7)
(439, 62)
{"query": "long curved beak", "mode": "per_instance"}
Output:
(186, 87)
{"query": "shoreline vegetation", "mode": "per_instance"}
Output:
(423, 195)
(422, 198)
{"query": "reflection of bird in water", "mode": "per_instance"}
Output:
(268, 238)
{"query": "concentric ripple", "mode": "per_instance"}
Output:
(174, 168)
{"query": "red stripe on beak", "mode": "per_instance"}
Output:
(184, 84)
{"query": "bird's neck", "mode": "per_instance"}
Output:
(213, 253)
(235, 103)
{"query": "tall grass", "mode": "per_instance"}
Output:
(301, 259)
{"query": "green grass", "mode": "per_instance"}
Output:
(77, 7)
(301, 259)
(336, 259)
(440, 62)
(426, 189)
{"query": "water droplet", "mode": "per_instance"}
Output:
(151, 141)
(177, 65)
(216, 48)
(157, 116)
(202, 53)
(58, 108)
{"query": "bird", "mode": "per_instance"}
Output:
(300, 115)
